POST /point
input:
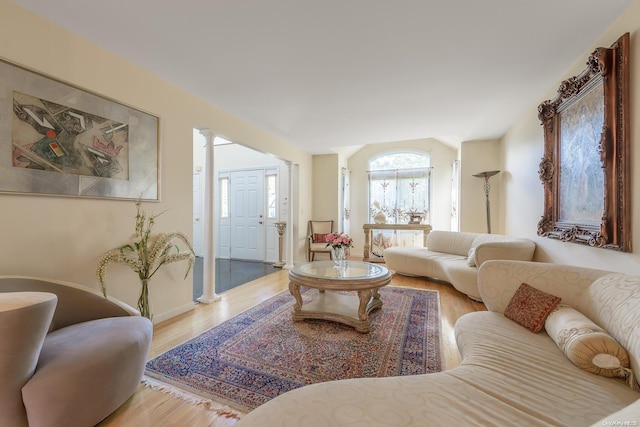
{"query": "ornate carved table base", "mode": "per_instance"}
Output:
(364, 279)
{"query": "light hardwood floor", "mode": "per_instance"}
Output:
(154, 408)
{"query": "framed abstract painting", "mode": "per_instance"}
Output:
(58, 139)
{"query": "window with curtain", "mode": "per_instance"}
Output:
(399, 191)
(400, 187)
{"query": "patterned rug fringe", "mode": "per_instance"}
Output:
(219, 409)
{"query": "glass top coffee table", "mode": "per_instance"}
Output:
(362, 278)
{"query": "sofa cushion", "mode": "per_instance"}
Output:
(471, 257)
(529, 307)
(456, 243)
(319, 247)
(498, 281)
(528, 371)
(586, 344)
(419, 261)
(611, 303)
(502, 247)
(320, 238)
(500, 382)
(463, 277)
(86, 371)
(436, 399)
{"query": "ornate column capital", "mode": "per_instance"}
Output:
(208, 134)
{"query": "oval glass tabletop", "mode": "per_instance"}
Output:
(347, 270)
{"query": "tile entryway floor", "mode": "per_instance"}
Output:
(230, 273)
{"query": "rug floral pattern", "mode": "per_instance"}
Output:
(261, 353)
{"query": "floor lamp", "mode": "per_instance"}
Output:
(487, 187)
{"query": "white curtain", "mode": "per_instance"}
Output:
(398, 194)
(455, 197)
(346, 201)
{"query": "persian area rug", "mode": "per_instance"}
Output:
(261, 353)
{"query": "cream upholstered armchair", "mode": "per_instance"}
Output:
(316, 238)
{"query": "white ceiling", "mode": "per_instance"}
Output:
(322, 74)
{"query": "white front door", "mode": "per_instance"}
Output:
(198, 214)
(247, 214)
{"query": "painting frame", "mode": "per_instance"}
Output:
(58, 139)
(585, 169)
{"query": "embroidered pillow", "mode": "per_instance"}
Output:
(319, 238)
(471, 257)
(586, 344)
(529, 307)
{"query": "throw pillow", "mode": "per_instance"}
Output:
(529, 307)
(586, 344)
(471, 257)
(319, 238)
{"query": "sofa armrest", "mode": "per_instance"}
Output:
(76, 303)
(518, 250)
(498, 281)
(24, 319)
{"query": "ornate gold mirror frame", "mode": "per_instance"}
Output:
(585, 168)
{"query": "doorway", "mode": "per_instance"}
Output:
(251, 194)
(241, 216)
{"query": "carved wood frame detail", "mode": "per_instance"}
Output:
(610, 68)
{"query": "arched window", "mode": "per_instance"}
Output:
(400, 187)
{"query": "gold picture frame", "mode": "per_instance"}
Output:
(585, 168)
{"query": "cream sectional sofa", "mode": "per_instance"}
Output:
(455, 257)
(508, 374)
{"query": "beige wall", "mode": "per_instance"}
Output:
(476, 157)
(326, 188)
(62, 237)
(442, 157)
(523, 149)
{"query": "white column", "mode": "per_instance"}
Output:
(209, 266)
(289, 219)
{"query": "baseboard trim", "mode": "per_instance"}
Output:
(173, 313)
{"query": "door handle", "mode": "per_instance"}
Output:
(259, 222)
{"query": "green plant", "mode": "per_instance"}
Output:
(146, 254)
